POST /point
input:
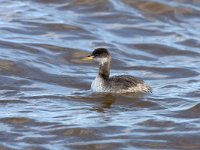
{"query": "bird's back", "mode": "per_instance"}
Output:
(126, 83)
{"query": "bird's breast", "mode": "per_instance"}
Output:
(98, 85)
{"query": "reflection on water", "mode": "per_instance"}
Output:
(46, 102)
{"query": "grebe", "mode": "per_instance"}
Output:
(115, 84)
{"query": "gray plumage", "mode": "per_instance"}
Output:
(125, 83)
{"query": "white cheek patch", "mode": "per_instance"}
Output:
(102, 60)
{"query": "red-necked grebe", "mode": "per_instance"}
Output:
(115, 84)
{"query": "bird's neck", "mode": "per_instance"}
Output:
(104, 70)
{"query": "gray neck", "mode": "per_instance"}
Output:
(104, 69)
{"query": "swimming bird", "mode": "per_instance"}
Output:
(115, 84)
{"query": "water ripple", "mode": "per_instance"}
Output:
(46, 101)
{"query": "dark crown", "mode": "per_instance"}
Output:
(100, 52)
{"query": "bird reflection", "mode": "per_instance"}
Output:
(107, 100)
(102, 102)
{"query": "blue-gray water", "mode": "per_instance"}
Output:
(45, 97)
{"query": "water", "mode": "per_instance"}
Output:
(45, 100)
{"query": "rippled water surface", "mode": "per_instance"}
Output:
(45, 97)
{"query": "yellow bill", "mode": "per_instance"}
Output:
(88, 58)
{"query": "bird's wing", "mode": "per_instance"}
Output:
(124, 81)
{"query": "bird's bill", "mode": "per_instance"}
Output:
(88, 58)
